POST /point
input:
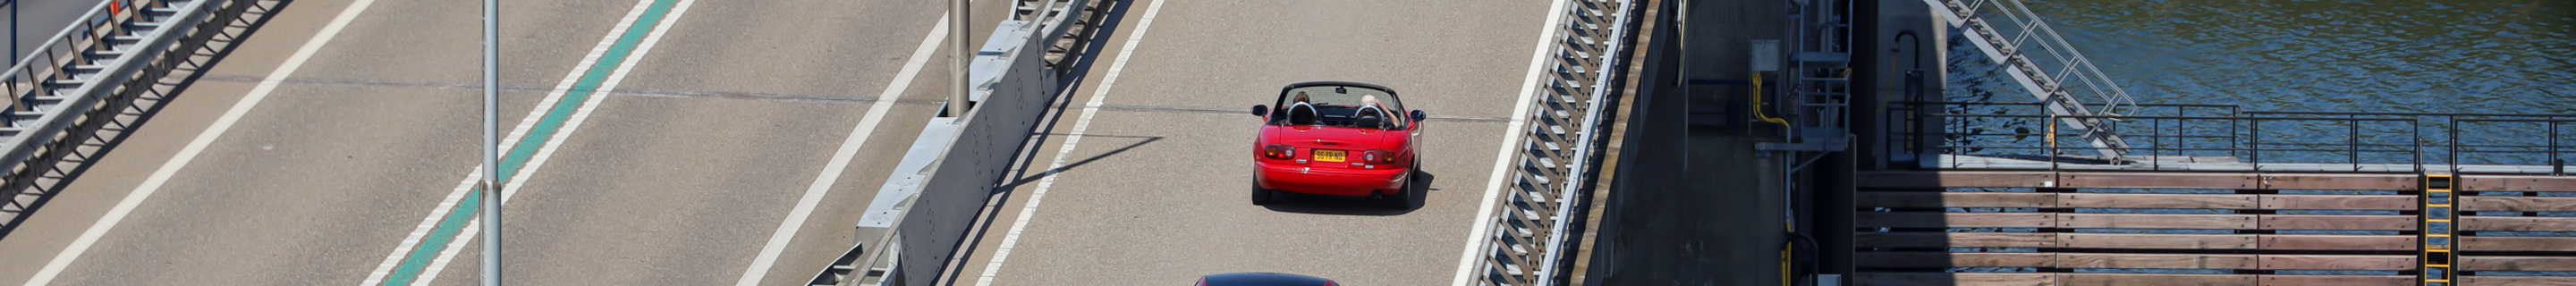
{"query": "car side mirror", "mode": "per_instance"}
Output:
(1260, 110)
(1418, 116)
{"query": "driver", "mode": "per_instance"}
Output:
(1301, 110)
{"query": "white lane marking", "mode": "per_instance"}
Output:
(1079, 125)
(1511, 138)
(526, 123)
(841, 159)
(580, 114)
(153, 183)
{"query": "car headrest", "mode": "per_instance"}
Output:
(1369, 121)
(1369, 117)
(1303, 114)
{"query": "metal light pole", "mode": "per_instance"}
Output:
(957, 56)
(13, 31)
(491, 143)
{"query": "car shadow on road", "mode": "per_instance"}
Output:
(1364, 206)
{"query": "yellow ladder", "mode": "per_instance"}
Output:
(2437, 218)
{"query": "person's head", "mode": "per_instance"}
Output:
(1301, 97)
(1371, 100)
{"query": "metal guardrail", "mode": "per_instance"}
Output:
(65, 91)
(2222, 137)
(1527, 243)
(1073, 30)
(2073, 81)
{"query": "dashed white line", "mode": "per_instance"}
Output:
(994, 268)
(841, 159)
(161, 176)
(1511, 138)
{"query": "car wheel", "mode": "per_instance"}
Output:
(1407, 198)
(1260, 196)
(1419, 193)
(1396, 200)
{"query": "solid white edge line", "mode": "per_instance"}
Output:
(555, 142)
(1012, 238)
(1511, 138)
(161, 176)
(526, 123)
(840, 162)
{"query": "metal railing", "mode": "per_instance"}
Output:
(1525, 244)
(2552, 150)
(1072, 37)
(2073, 81)
(67, 90)
(2201, 137)
(2072, 65)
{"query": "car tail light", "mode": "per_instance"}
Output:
(1380, 157)
(1281, 152)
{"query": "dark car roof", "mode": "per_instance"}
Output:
(1263, 279)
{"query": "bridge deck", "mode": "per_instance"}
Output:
(1156, 189)
(679, 176)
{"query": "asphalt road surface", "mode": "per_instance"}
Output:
(712, 120)
(1156, 191)
(683, 172)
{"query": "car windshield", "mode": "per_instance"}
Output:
(1342, 106)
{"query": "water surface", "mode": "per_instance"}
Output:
(2450, 56)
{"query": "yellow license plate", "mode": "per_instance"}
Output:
(1330, 155)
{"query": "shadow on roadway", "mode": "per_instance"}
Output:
(1109, 19)
(1067, 167)
(1339, 205)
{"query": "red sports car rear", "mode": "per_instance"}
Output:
(1336, 138)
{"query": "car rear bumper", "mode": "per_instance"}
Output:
(1335, 182)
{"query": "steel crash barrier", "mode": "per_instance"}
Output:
(1526, 241)
(66, 91)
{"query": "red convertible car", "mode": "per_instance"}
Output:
(1339, 139)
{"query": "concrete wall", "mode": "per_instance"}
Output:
(1019, 87)
(1896, 16)
(1715, 214)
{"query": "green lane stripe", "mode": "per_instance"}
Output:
(581, 91)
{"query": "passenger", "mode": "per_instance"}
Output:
(1375, 113)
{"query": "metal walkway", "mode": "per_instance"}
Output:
(2206, 137)
(2058, 76)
